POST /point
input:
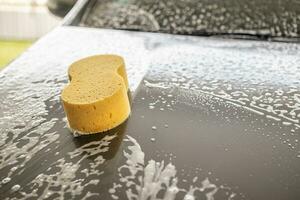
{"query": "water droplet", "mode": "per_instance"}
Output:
(152, 139)
(6, 180)
(161, 109)
(166, 125)
(154, 128)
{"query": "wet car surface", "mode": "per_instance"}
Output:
(211, 118)
(255, 19)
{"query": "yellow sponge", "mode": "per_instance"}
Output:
(96, 99)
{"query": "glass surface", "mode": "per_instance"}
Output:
(250, 18)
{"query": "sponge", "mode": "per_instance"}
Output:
(96, 99)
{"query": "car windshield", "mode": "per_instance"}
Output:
(261, 19)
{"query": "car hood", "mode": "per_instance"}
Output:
(259, 79)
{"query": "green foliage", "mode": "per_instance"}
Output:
(9, 50)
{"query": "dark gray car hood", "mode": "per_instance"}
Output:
(260, 79)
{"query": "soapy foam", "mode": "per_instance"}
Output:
(63, 179)
(30, 90)
(29, 98)
(261, 85)
(148, 180)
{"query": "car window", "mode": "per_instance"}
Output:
(253, 18)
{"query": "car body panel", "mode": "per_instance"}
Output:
(218, 119)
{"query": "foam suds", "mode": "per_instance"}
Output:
(209, 16)
(6, 180)
(19, 155)
(262, 86)
(61, 178)
(155, 180)
(15, 188)
(275, 92)
(261, 76)
(75, 133)
(30, 90)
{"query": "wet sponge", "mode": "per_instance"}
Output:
(96, 99)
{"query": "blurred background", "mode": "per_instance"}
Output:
(21, 23)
